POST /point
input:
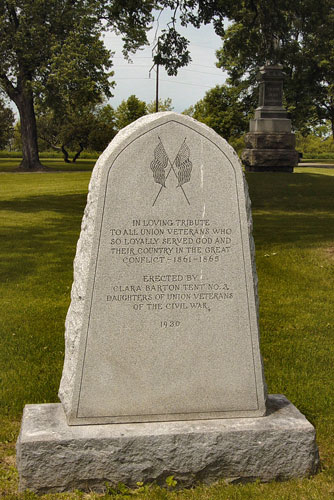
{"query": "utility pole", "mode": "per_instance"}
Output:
(156, 47)
(157, 89)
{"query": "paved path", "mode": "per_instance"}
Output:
(317, 165)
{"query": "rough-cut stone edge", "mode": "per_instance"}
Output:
(52, 456)
(270, 157)
(75, 314)
(259, 140)
(74, 318)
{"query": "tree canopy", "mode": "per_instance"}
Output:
(164, 105)
(224, 109)
(90, 126)
(80, 130)
(129, 110)
(50, 50)
(299, 35)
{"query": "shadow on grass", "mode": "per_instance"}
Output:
(33, 245)
(286, 193)
(291, 192)
(66, 204)
(292, 209)
(24, 247)
(297, 230)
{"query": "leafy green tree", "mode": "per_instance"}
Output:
(88, 128)
(314, 145)
(299, 35)
(104, 129)
(129, 111)
(225, 109)
(164, 105)
(322, 53)
(70, 134)
(6, 124)
(49, 49)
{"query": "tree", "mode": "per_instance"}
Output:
(6, 124)
(104, 129)
(299, 35)
(164, 105)
(90, 127)
(225, 109)
(129, 111)
(62, 135)
(322, 52)
(48, 49)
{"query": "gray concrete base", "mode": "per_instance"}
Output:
(55, 457)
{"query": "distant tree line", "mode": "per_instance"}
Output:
(88, 128)
(224, 108)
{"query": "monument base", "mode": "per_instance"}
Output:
(269, 160)
(55, 457)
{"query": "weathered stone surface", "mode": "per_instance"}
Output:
(271, 79)
(164, 281)
(270, 157)
(271, 129)
(270, 112)
(270, 125)
(52, 456)
(270, 141)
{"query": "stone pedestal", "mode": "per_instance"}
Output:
(270, 144)
(55, 457)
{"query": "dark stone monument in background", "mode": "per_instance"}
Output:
(270, 144)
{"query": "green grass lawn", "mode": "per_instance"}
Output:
(54, 164)
(294, 235)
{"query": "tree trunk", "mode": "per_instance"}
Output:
(30, 161)
(65, 153)
(76, 156)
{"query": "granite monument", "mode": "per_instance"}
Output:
(163, 373)
(270, 144)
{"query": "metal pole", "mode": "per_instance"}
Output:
(157, 90)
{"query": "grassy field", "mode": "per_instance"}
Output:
(54, 164)
(294, 236)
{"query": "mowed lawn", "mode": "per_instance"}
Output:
(53, 164)
(294, 235)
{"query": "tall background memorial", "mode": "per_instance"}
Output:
(270, 143)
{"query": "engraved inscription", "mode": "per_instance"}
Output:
(160, 241)
(273, 94)
(170, 292)
(171, 242)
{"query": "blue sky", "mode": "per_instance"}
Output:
(186, 88)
